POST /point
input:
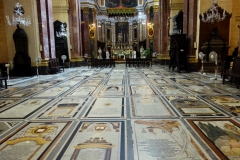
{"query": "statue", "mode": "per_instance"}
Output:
(141, 51)
(99, 53)
(107, 54)
(134, 54)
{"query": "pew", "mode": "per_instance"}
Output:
(234, 73)
(54, 65)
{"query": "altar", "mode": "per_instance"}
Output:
(120, 54)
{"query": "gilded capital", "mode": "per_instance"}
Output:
(85, 10)
(155, 8)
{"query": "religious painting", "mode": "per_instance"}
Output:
(91, 33)
(150, 31)
(32, 141)
(24, 109)
(165, 139)
(96, 141)
(122, 35)
(149, 106)
(221, 135)
(107, 107)
(192, 106)
(64, 108)
(226, 102)
(124, 3)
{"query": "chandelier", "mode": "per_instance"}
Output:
(62, 32)
(17, 18)
(212, 14)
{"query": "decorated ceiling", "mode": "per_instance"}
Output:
(124, 3)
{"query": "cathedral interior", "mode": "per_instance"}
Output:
(119, 79)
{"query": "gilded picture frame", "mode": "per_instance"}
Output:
(91, 33)
(150, 30)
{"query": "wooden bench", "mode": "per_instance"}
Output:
(5, 81)
(54, 65)
(234, 73)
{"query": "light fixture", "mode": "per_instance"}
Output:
(17, 18)
(62, 32)
(212, 14)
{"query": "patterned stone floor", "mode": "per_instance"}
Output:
(121, 113)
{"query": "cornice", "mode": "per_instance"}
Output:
(176, 6)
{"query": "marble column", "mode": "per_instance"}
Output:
(75, 28)
(113, 31)
(94, 13)
(46, 31)
(86, 40)
(163, 27)
(146, 29)
(130, 34)
(140, 31)
(190, 24)
(156, 37)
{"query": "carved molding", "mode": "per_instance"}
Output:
(85, 10)
(155, 8)
(177, 6)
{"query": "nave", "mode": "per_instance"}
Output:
(120, 113)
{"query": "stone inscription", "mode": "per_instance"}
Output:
(159, 148)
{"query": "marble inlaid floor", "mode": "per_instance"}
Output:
(120, 113)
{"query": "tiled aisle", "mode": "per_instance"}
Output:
(120, 113)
